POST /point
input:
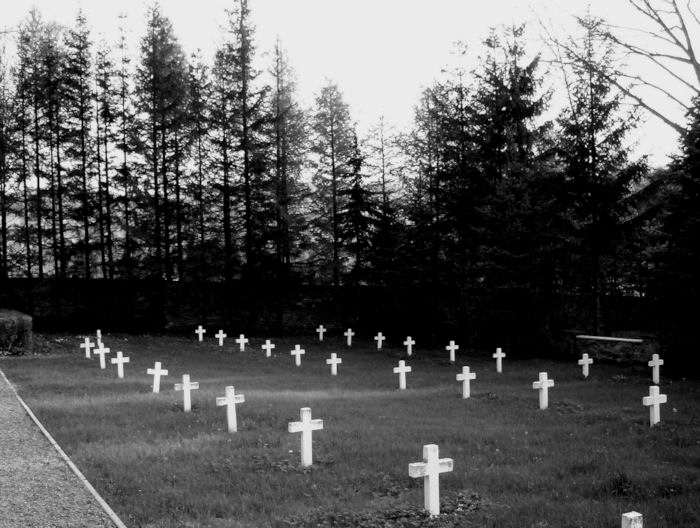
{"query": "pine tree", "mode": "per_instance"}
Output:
(332, 146)
(6, 147)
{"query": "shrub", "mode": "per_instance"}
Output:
(15, 333)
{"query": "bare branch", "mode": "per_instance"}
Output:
(689, 44)
(643, 82)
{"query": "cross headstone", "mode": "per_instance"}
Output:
(267, 347)
(101, 351)
(584, 362)
(632, 520)
(156, 372)
(451, 349)
(221, 336)
(321, 330)
(543, 385)
(334, 361)
(498, 356)
(655, 363)
(349, 333)
(230, 401)
(200, 332)
(305, 427)
(297, 352)
(654, 401)
(465, 377)
(242, 340)
(119, 361)
(409, 345)
(379, 338)
(401, 371)
(99, 337)
(186, 387)
(430, 470)
(87, 345)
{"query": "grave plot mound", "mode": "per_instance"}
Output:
(16, 335)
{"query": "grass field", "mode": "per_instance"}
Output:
(582, 463)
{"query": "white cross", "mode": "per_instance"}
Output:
(465, 377)
(221, 336)
(267, 347)
(349, 333)
(320, 331)
(101, 351)
(409, 344)
(297, 352)
(186, 386)
(334, 361)
(499, 355)
(653, 401)
(632, 520)
(655, 363)
(305, 426)
(584, 362)
(87, 345)
(200, 332)
(451, 349)
(430, 470)
(156, 372)
(401, 371)
(543, 385)
(379, 338)
(119, 361)
(99, 337)
(242, 340)
(230, 401)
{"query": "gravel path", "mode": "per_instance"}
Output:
(37, 488)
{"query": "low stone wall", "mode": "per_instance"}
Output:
(16, 335)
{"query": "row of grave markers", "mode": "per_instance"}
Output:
(653, 401)
(431, 466)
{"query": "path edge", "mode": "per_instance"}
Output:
(107, 509)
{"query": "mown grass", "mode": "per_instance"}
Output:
(590, 457)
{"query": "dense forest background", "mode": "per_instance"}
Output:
(149, 189)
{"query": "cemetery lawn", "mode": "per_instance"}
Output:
(582, 463)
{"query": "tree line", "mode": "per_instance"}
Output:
(154, 164)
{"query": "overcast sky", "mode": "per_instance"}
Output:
(382, 53)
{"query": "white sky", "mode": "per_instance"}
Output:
(382, 53)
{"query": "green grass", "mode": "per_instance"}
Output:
(582, 463)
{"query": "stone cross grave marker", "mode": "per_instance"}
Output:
(200, 332)
(349, 333)
(305, 427)
(267, 347)
(379, 338)
(119, 361)
(242, 341)
(297, 352)
(156, 372)
(409, 345)
(655, 363)
(401, 371)
(334, 361)
(451, 349)
(99, 337)
(584, 362)
(186, 387)
(430, 470)
(543, 385)
(654, 401)
(87, 345)
(221, 336)
(632, 520)
(230, 401)
(321, 330)
(465, 377)
(498, 356)
(101, 351)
